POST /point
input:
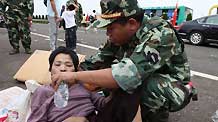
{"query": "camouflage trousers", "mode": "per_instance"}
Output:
(19, 31)
(159, 96)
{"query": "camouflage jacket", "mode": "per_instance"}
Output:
(17, 8)
(154, 49)
(79, 15)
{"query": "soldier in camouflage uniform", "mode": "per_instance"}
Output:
(18, 18)
(79, 13)
(141, 53)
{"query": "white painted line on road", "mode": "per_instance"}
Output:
(87, 46)
(37, 34)
(79, 44)
(95, 48)
(212, 77)
(81, 31)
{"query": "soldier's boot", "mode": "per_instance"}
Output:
(14, 51)
(28, 51)
(161, 115)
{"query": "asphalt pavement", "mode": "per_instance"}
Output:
(203, 61)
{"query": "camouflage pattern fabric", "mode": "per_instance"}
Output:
(79, 13)
(113, 9)
(17, 22)
(153, 59)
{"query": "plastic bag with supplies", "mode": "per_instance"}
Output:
(16, 107)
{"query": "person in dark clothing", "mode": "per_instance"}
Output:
(62, 23)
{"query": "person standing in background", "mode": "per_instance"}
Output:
(94, 14)
(84, 22)
(69, 18)
(93, 17)
(79, 14)
(18, 20)
(53, 9)
(62, 23)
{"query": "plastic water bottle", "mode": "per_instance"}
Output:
(61, 96)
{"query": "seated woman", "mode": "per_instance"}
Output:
(81, 102)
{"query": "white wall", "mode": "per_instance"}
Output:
(39, 8)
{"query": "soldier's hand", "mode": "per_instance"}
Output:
(30, 18)
(68, 77)
(30, 23)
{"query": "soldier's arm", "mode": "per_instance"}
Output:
(30, 7)
(157, 48)
(102, 59)
(80, 10)
(76, 7)
(3, 6)
(102, 78)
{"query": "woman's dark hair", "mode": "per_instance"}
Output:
(64, 50)
(138, 17)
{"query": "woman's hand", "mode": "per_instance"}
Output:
(68, 77)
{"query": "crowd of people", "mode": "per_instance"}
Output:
(143, 63)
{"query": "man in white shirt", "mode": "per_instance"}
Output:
(53, 10)
(70, 24)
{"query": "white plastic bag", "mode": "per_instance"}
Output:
(23, 105)
(215, 117)
(32, 85)
(17, 108)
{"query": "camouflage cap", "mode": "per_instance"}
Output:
(70, 2)
(114, 9)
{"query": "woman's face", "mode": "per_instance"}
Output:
(62, 63)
